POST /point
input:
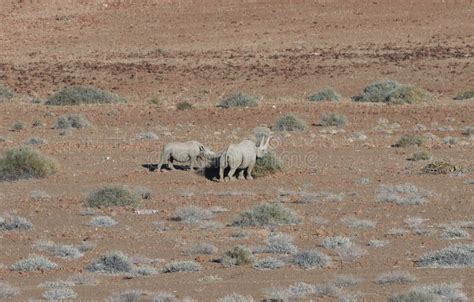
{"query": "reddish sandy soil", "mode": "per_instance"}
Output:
(199, 51)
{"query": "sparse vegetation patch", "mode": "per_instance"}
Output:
(459, 255)
(403, 194)
(11, 222)
(184, 106)
(468, 94)
(182, 266)
(77, 95)
(428, 293)
(72, 121)
(290, 122)
(420, 156)
(239, 255)
(391, 92)
(333, 119)
(408, 140)
(112, 263)
(311, 259)
(5, 93)
(7, 291)
(33, 263)
(112, 195)
(267, 214)
(238, 100)
(327, 94)
(395, 277)
(25, 162)
(267, 165)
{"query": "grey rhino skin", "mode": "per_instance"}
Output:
(241, 156)
(184, 152)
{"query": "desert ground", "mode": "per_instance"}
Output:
(201, 52)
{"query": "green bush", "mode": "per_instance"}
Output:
(18, 126)
(333, 119)
(377, 92)
(327, 94)
(267, 214)
(238, 100)
(469, 94)
(114, 262)
(184, 106)
(5, 93)
(268, 164)
(72, 121)
(112, 195)
(239, 255)
(76, 95)
(406, 94)
(391, 92)
(25, 162)
(408, 140)
(290, 123)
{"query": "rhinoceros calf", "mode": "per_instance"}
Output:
(241, 156)
(184, 152)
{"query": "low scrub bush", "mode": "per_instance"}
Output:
(268, 263)
(267, 214)
(236, 298)
(72, 121)
(408, 140)
(182, 266)
(327, 94)
(403, 194)
(11, 222)
(103, 221)
(33, 263)
(335, 242)
(455, 233)
(427, 293)
(267, 165)
(290, 122)
(468, 131)
(239, 255)
(354, 222)
(395, 277)
(7, 291)
(59, 250)
(192, 215)
(77, 95)
(112, 195)
(311, 259)
(5, 93)
(201, 248)
(112, 263)
(333, 119)
(148, 136)
(280, 244)
(238, 100)
(391, 92)
(25, 162)
(184, 106)
(459, 255)
(19, 125)
(420, 156)
(64, 293)
(468, 94)
(36, 141)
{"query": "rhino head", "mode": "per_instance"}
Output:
(205, 152)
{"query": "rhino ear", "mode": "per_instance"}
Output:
(201, 148)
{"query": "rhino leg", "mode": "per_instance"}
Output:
(241, 174)
(193, 163)
(164, 158)
(231, 174)
(249, 171)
